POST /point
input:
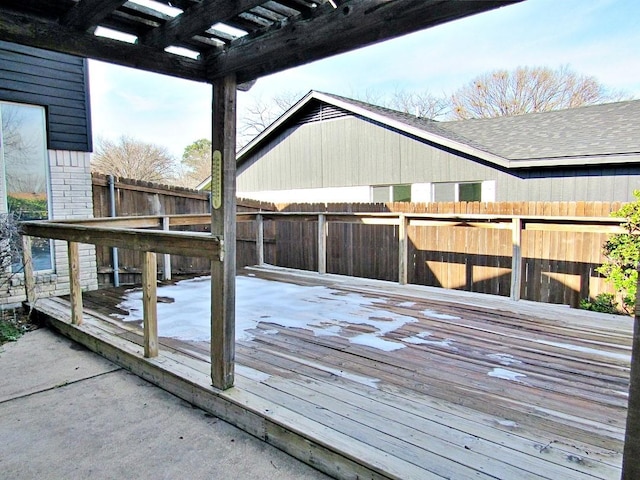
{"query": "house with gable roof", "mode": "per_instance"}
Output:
(328, 148)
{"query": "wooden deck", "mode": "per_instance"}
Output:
(484, 388)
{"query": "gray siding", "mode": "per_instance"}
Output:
(353, 151)
(55, 81)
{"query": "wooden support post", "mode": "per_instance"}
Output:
(259, 239)
(322, 243)
(403, 249)
(516, 258)
(150, 304)
(631, 453)
(223, 224)
(75, 289)
(166, 257)
(29, 278)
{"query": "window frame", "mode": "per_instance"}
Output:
(47, 177)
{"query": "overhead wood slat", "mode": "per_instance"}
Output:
(88, 13)
(42, 33)
(280, 34)
(195, 20)
(329, 31)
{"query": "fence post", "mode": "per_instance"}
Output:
(322, 243)
(631, 454)
(516, 258)
(29, 279)
(259, 239)
(75, 289)
(403, 249)
(166, 258)
(149, 304)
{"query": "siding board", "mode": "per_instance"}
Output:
(53, 80)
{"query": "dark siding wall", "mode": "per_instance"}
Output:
(55, 81)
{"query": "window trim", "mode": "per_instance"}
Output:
(47, 176)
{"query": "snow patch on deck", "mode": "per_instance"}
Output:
(504, 359)
(420, 339)
(506, 374)
(439, 316)
(321, 310)
(595, 351)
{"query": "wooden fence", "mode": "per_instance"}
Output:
(123, 197)
(558, 266)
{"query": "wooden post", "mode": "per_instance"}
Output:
(259, 239)
(403, 249)
(166, 257)
(631, 453)
(29, 279)
(74, 283)
(150, 304)
(322, 243)
(223, 224)
(516, 258)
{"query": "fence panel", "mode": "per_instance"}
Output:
(558, 267)
(136, 198)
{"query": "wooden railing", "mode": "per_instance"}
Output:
(144, 234)
(152, 235)
(517, 224)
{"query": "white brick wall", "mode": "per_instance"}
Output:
(71, 198)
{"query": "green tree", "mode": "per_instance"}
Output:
(196, 162)
(623, 253)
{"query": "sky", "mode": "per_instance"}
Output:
(599, 38)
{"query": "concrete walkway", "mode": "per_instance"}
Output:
(67, 413)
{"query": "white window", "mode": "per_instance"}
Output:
(24, 171)
(391, 193)
(463, 191)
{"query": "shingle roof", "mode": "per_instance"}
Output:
(596, 130)
(607, 129)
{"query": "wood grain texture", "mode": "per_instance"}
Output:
(75, 288)
(149, 305)
(428, 410)
(223, 223)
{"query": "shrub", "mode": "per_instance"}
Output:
(623, 253)
(603, 303)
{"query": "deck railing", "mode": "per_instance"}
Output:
(152, 235)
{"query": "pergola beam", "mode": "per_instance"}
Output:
(88, 13)
(329, 31)
(48, 34)
(197, 19)
(223, 224)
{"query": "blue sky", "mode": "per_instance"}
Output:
(595, 37)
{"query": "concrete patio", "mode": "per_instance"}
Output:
(69, 413)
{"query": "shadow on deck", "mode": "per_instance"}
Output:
(476, 386)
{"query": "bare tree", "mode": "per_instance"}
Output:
(527, 90)
(421, 104)
(10, 247)
(131, 158)
(261, 113)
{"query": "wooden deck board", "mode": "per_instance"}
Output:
(428, 410)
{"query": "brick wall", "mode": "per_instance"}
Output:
(71, 197)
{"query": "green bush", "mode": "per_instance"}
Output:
(8, 331)
(603, 303)
(623, 253)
